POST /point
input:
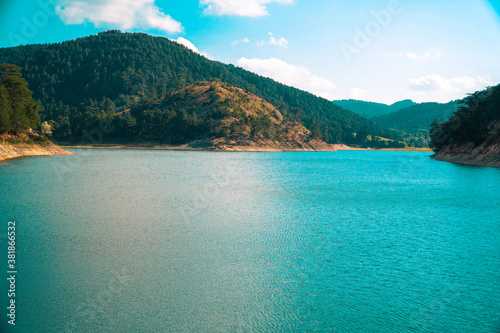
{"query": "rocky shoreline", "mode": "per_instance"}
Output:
(312, 147)
(470, 155)
(10, 151)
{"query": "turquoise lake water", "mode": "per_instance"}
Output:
(165, 241)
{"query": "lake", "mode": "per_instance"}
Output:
(171, 241)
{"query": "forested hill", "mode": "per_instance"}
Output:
(217, 110)
(74, 80)
(472, 134)
(418, 116)
(372, 109)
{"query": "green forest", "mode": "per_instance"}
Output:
(477, 120)
(86, 82)
(417, 117)
(18, 111)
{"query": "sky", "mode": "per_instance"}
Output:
(380, 51)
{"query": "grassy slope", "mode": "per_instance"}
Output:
(233, 111)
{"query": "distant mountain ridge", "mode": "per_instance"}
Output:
(418, 116)
(412, 120)
(371, 109)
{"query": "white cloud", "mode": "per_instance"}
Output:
(250, 8)
(459, 84)
(123, 14)
(278, 41)
(273, 41)
(428, 55)
(244, 41)
(188, 44)
(296, 76)
(183, 41)
(445, 89)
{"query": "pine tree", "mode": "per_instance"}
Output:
(18, 109)
(5, 125)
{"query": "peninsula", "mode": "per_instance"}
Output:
(472, 135)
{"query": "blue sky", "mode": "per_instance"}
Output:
(381, 51)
